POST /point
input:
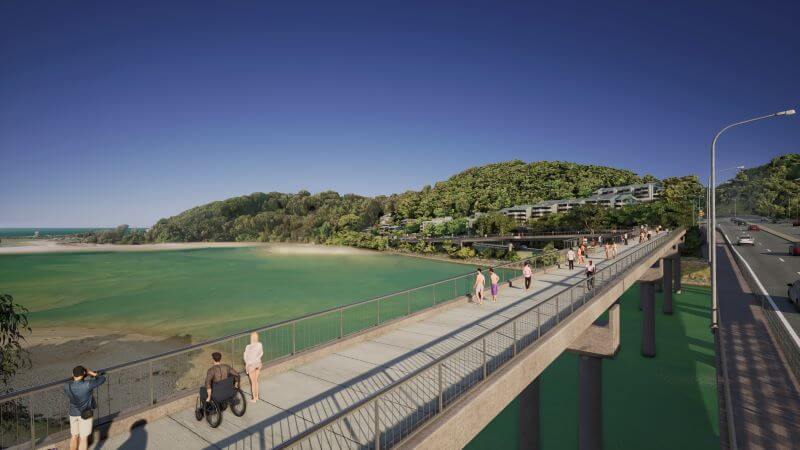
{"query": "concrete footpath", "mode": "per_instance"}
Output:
(294, 400)
(765, 397)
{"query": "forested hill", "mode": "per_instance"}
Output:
(771, 190)
(306, 217)
(495, 186)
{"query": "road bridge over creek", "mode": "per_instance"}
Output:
(420, 374)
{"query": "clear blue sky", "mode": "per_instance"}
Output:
(124, 114)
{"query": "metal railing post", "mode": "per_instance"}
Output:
(379, 311)
(538, 323)
(571, 301)
(341, 323)
(150, 378)
(408, 304)
(434, 295)
(558, 310)
(33, 422)
(441, 390)
(484, 358)
(377, 425)
(294, 337)
(514, 327)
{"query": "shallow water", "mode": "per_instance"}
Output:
(203, 292)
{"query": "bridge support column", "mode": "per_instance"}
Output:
(590, 403)
(599, 341)
(666, 308)
(529, 419)
(647, 297)
(676, 271)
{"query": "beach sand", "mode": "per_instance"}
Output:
(55, 351)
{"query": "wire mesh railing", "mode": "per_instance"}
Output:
(37, 415)
(393, 413)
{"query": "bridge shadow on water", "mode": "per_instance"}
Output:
(665, 402)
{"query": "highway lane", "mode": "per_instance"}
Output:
(773, 264)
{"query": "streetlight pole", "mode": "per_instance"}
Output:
(712, 214)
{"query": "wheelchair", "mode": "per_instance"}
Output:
(223, 394)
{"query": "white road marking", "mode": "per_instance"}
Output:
(781, 259)
(769, 250)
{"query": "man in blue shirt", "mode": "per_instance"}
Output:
(81, 405)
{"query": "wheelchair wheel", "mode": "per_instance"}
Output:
(199, 410)
(238, 403)
(213, 414)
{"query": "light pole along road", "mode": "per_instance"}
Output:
(712, 213)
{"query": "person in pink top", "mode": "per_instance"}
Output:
(252, 363)
(527, 274)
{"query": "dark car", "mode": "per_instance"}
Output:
(794, 293)
(754, 227)
(796, 223)
(795, 249)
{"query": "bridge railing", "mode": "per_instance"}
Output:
(391, 414)
(37, 415)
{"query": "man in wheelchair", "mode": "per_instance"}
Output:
(221, 389)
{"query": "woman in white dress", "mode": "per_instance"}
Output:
(252, 363)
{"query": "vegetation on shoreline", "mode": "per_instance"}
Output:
(770, 190)
(351, 220)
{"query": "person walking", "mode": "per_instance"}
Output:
(590, 271)
(495, 281)
(252, 363)
(479, 286)
(607, 249)
(625, 238)
(614, 249)
(571, 258)
(582, 254)
(80, 392)
(527, 274)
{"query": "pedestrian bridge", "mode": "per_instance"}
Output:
(422, 368)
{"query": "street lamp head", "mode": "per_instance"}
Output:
(788, 112)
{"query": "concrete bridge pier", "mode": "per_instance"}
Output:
(666, 307)
(647, 299)
(676, 271)
(530, 436)
(598, 342)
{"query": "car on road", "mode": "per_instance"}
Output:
(794, 294)
(754, 227)
(746, 239)
(795, 249)
(796, 223)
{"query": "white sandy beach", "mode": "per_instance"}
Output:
(51, 246)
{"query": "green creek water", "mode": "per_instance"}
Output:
(201, 292)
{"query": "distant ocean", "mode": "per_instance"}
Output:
(44, 232)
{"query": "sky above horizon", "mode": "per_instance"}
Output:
(115, 112)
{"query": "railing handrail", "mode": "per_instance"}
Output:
(409, 376)
(45, 386)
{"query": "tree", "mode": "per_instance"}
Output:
(588, 217)
(13, 325)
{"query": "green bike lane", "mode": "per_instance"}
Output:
(665, 402)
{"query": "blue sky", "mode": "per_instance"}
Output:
(125, 112)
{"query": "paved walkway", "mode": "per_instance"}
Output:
(765, 398)
(294, 400)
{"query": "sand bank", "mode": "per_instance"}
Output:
(55, 351)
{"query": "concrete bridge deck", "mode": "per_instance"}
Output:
(295, 400)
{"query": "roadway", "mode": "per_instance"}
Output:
(772, 263)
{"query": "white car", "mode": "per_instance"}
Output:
(794, 294)
(746, 239)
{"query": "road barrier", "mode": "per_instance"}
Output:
(783, 332)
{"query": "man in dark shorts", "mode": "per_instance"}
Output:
(216, 373)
